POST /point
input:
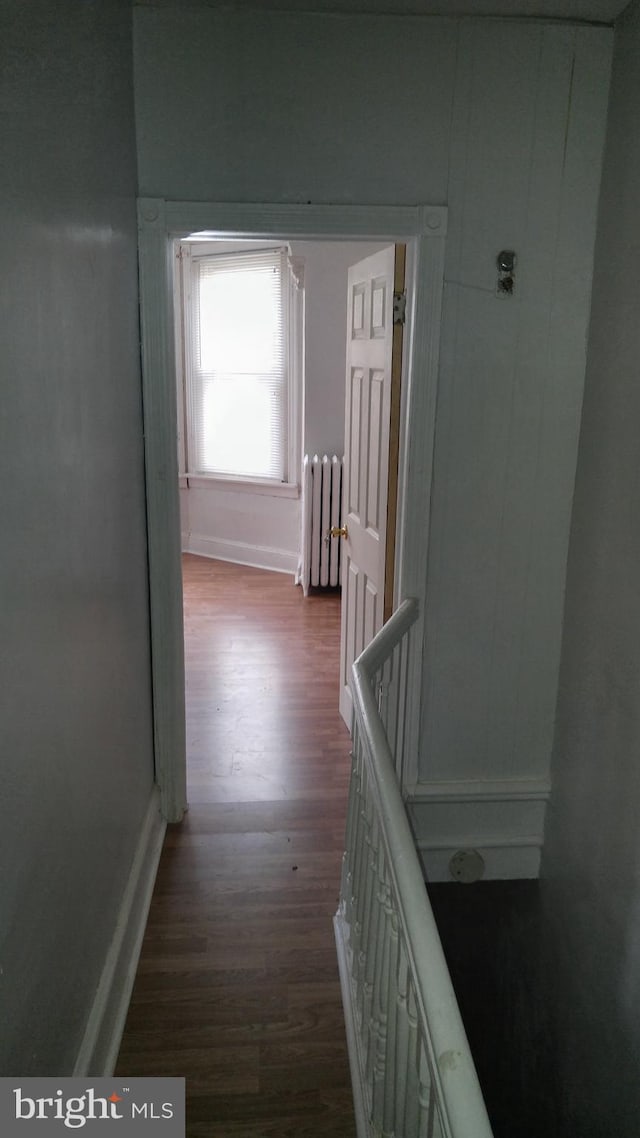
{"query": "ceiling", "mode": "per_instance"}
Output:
(600, 11)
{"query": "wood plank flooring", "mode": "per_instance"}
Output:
(237, 987)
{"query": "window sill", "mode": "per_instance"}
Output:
(240, 485)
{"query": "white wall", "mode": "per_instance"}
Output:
(263, 529)
(524, 175)
(503, 121)
(237, 525)
(76, 757)
(280, 107)
(591, 861)
(326, 269)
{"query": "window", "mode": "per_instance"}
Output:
(238, 391)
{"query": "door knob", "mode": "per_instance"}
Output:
(337, 531)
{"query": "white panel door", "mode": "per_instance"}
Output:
(372, 396)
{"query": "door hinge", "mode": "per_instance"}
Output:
(399, 307)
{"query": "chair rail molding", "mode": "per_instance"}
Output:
(160, 223)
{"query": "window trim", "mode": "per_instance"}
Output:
(247, 485)
(185, 251)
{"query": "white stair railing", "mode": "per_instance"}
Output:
(411, 1067)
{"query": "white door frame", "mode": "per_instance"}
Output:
(161, 222)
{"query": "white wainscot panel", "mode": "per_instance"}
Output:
(249, 529)
(502, 820)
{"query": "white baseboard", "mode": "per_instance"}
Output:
(520, 862)
(502, 819)
(257, 556)
(101, 1042)
(356, 1063)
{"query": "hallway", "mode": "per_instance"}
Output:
(237, 985)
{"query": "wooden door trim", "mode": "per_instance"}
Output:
(161, 222)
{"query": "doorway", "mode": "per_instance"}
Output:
(273, 328)
(262, 333)
(424, 230)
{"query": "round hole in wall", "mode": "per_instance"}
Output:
(467, 866)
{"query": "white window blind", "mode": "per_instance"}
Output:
(238, 380)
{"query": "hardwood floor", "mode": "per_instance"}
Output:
(237, 987)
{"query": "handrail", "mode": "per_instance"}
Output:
(380, 648)
(452, 1075)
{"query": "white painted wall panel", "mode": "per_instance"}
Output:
(326, 265)
(590, 866)
(510, 395)
(567, 352)
(494, 120)
(241, 526)
(251, 106)
(472, 450)
(76, 749)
